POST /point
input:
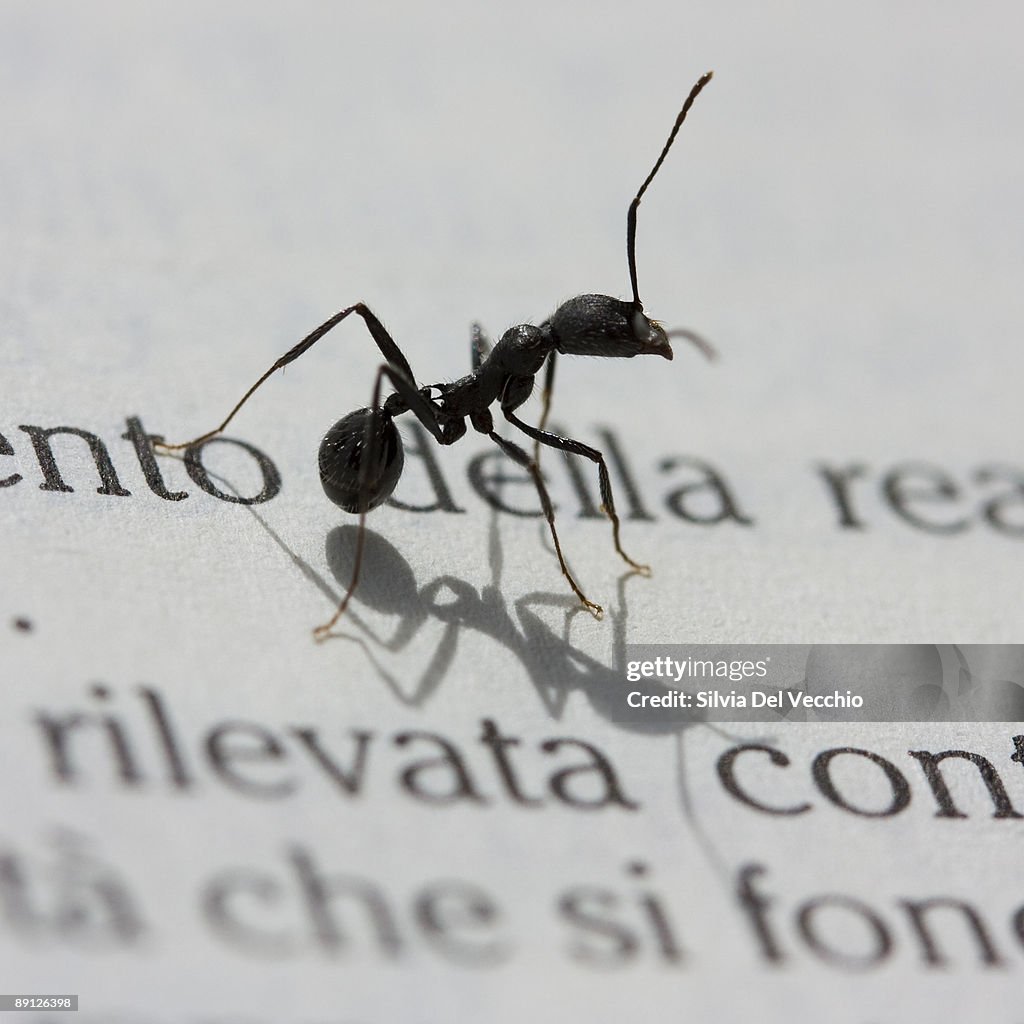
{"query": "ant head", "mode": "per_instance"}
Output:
(598, 325)
(349, 477)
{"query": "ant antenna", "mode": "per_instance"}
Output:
(705, 346)
(631, 216)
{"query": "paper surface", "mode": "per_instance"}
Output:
(435, 815)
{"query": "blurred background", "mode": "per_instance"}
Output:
(187, 189)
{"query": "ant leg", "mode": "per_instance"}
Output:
(426, 412)
(549, 386)
(705, 346)
(481, 346)
(517, 454)
(391, 352)
(567, 444)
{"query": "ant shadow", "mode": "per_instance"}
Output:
(556, 667)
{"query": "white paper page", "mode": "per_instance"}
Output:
(434, 815)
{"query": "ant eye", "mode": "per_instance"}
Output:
(641, 326)
(651, 336)
(342, 455)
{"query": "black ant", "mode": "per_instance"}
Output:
(361, 456)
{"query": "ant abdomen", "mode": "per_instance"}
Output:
(349, 483)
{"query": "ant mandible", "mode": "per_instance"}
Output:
(361, 456)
